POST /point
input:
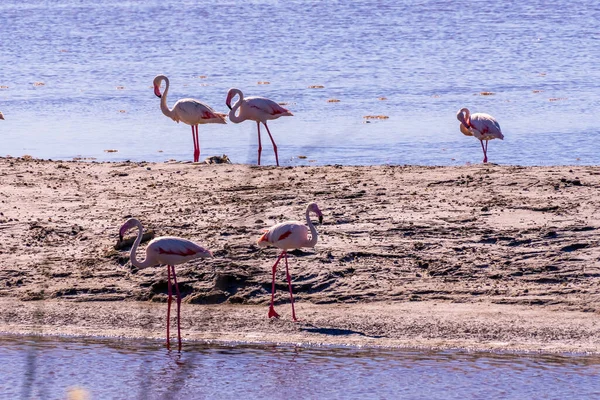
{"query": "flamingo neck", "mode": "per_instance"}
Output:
(232, 114)
(133, 254)
(163, 100)
(313, 231)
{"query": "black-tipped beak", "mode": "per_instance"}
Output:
(157, 91)
(120, 238)
(320, 219)
(228, 106)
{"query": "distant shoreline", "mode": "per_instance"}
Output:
(481, 257)
(310, 164)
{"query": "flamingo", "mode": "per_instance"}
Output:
(166, 250)
(482, 126)
(189, 111)
(289, 235)
(1, 115)
(256, 109)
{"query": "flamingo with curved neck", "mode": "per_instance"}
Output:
(286, 236)
(257, 109)
(167, 250)
(482, 126)
(189, 111)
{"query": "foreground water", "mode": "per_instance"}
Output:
(76, 78)
(45, 368)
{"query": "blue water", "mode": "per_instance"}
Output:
(45, 368)
(428, 58)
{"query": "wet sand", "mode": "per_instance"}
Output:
(479, 257)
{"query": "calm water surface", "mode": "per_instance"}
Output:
(44, 368)
(96, 61)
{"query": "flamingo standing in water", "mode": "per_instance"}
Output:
(189, 111)
(256, 109)
(290, 235)
(167, 250)
(482, 126)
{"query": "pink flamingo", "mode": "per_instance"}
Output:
(482, 126)
(189, 111)
(256, 109)
(290, 235)
(166, 250)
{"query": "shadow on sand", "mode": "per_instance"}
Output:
(334, 331)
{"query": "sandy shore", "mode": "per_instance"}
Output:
(480, 257)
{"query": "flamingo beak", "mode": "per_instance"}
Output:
(320, 219)
(228, 105)
(157, 91)
(120, 237)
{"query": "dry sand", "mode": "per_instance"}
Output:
(479, 257)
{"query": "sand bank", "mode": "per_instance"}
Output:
(487, 257)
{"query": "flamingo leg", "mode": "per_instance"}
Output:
(289, 279)
(196, 145)
(274, 145)
(484, 152)
(272, 312)
(170, 295)
(259, 145)
(178, 307)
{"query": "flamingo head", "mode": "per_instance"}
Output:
(130, 223)
(230, 95)
(313, 207)
(205, 253)
(157, 81)
(463, 115)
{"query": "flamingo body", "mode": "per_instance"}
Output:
(189, 111)
(166, 250)
(170, 250)
(258, 109)
(286, 236)
(480, 125)
(194, 112)
(1, 116)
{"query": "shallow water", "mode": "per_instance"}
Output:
(96, 61)
(45, 367)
